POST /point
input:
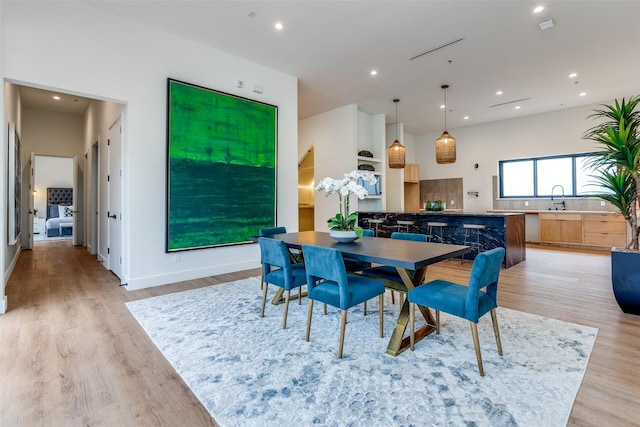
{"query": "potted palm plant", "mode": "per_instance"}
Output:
(618, 163)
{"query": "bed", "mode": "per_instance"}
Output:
(59, 212)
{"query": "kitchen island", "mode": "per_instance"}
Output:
(505, 230)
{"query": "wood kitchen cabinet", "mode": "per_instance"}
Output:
(411, 187)
(560, 227)
(412, 173)
(599, 230)
(604, 230)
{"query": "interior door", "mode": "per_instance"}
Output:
(114, 188)
(77, 203)
(30, 197)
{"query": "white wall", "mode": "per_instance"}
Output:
(75, 47)
(395, 177)
(558, 132)
(98, 117)
(46, 134)
(11, 113)
(334, 137)
(3, 216)
(52, 133)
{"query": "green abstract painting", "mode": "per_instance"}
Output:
(221, 167)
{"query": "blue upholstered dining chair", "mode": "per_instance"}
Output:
(278, 270)
(268, 232)
(469, 302)
(329, 282)
(387, 272)
(353, 265)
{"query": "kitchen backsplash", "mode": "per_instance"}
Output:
(571, 203)
(447, 190)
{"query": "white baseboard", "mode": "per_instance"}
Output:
(165, 279)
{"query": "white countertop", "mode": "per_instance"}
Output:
(538, 211)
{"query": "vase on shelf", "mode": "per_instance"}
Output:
(344, 236)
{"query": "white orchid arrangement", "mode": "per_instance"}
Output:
(345, 187)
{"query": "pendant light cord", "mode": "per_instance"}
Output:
(396, 102)
(445, 87)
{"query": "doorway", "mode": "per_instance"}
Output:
(56, 124)
(306, 192)
(53, 172)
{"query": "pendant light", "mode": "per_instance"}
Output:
(446, 144)
(396, 150)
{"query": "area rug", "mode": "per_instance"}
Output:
(248, 371)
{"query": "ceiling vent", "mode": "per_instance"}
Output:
(509, 102)
(436, 48)
(546, 24)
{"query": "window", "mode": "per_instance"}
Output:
(552, 172)
(517, 179)
(540, 176)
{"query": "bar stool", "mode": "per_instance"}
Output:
(377, 222)
(436, 229)
(404, 223)
(472, 234)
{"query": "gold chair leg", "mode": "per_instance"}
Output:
(309, 313)
(343, 325)
(325, 309)
(412, 323)
(496, 331)
(381, 303)
(264, 298)
(287, 296)
(365, 308)
(393, 297)
(476, 343)
(437, 322)
(262, 280)
(300, 295)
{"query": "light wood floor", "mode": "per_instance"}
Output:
(71, 354)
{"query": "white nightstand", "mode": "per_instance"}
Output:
(38, 225)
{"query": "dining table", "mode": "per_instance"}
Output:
(410, 258)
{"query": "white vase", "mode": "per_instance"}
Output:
(344, 236)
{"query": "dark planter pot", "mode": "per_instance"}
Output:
(625, 277)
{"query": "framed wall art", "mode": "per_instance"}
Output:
(221, 167)
(14, 193)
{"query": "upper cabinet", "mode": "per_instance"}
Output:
(371, 138)
(411, 187)
(412, 173)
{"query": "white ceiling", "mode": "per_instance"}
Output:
(331, 46)
(31, 97)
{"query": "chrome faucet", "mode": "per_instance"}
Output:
(558, 203)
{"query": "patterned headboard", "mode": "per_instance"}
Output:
(59, 196)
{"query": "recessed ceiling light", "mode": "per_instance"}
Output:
(442, 106)
(583, 93)
(538, 9)
(279, 26)
(466, 117)
(517, 107)
(499, 92)
(374, 72)
(572, 75)
(56, 97)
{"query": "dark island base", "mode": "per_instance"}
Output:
(506, 230)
